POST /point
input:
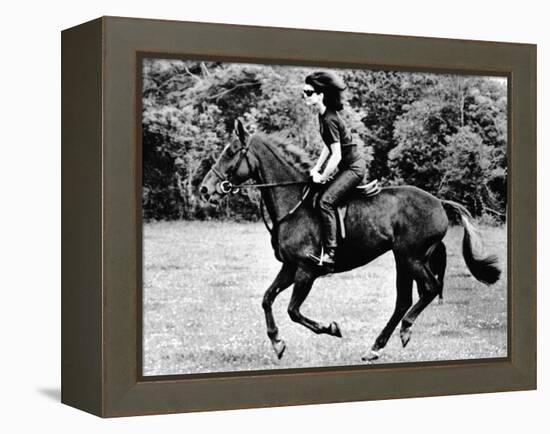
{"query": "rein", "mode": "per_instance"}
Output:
(271, 184)
(288, 214)
(226, 187)
(305, 192)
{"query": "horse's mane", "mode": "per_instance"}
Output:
(280, 144)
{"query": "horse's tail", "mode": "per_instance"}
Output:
(484, 269)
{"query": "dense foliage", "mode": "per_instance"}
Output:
(446, 134)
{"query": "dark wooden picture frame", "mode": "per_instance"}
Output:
(101, 223)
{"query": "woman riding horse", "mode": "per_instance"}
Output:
(405, 219)
(323, 92)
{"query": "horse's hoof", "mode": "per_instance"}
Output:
(371, 356)
(335, 330)
(279, 347)
(440, 301)
(405, 335)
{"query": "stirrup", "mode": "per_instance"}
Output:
(319, 259)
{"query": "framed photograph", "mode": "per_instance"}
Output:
(260, 216)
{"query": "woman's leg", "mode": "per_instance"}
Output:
(335, 193)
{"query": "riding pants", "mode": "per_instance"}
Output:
(336, 192)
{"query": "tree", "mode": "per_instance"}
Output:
(421, 134)
(466, 170)
(414, 128)
(452, 142)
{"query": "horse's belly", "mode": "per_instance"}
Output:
(359, 248)
(298, 241)
(367, 237)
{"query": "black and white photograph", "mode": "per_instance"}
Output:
(312, 217)
(275, 218)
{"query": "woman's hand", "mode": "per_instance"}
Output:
(323, 177)
(315, 176)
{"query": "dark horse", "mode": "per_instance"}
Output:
(406, 220)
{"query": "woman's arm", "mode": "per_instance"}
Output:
(333, 161)
(324, 154)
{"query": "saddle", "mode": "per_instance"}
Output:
(365, 190)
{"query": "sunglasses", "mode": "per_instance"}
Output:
(308, 92)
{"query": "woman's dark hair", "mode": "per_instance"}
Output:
(330, 86)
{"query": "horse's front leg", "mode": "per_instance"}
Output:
(303, 282)
(283, 280)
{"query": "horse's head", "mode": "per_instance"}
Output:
(232, 167)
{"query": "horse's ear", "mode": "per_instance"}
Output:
(240, 131)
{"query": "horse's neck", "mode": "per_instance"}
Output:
(279, 200)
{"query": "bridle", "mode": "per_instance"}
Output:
(226, 185)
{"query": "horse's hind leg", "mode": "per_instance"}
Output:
(283, 280)
(402, 304)
(430, 288)
(438, 265)
(302, 285)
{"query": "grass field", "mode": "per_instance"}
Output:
(203, 287)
